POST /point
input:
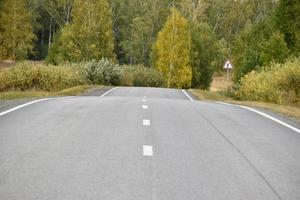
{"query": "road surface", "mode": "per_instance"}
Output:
(145, 144)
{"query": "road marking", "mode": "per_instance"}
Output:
(22, 106)
(112, 89)
(264, 115)
(147, 150)
(227, 104)
(144, 106)
(146, 122)
(187, 95)
(144, 100)
(272, 118)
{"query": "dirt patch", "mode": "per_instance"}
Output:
(220, 83)
(6, 64)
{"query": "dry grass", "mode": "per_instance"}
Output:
(220, 83)
(73, 91)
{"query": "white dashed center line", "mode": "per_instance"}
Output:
(144, 106)
(144, 100)
(146, 122)
(147, 150)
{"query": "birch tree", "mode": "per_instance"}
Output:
(173, 47)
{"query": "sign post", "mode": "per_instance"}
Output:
(227, 66)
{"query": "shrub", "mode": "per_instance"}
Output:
(28, 75)
(279, 83)
(141, 76)
(103, 72)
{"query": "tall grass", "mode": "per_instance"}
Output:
(279, 83)
(27, 76)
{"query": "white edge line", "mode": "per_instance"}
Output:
(187, 95)
(22, 106)
(264, 115)
(112, 89)
(224, 103)
(272, 118)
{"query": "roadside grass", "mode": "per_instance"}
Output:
(292, 111)
(220, 82)
(73, 91)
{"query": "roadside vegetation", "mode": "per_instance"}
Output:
(71, 78)
(172, 43)
(277, 83)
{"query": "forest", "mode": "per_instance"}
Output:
(180, 43)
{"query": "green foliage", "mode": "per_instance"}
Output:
(205, 54)
(136, 24)
(89, 36)
(103, 72)
(137, 75)
(279, 83)
(16, 30)
(54, 53)
(288, 21)
(258, 45)
(172, 49)
(275, 49)
(27, 75)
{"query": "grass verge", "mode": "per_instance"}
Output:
(73, 91)
(290, 111)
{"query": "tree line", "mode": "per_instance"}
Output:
(186, 40)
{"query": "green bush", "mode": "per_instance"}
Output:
(279, 83)
(28, 75)
(103, 72)
(137, 75)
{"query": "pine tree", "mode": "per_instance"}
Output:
(172, 50)
(89, 36)
(16, 30)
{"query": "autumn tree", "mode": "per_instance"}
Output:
(88, 36)
(16, 30)
(172, 49)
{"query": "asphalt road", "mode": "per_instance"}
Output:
(145, 144)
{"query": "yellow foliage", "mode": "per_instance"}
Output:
(173, 51)
(26, 76)
(280, 84)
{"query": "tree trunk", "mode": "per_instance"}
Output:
(50, 34)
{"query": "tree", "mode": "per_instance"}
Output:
(288, 21)
(257, 46)
(275, 49)
(89, 35)
(136, 24)
(16, 30)
(172, 49)
(205, 55)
